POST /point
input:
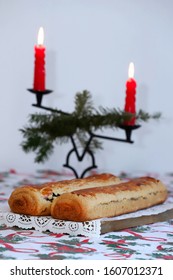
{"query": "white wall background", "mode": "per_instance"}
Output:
(89, 45)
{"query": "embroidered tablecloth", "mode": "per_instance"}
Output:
(148, 242)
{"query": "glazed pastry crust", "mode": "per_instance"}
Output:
(36, 200)
(108, 201)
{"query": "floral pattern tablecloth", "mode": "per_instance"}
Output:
(147, 242)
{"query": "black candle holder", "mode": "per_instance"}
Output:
(39, 95)
(128, 131)
(127, 128)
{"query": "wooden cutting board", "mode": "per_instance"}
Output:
(108, 226)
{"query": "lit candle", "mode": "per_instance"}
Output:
(39, 69)
(130, 100)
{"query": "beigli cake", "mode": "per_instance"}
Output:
(94, 203)
(36, 199)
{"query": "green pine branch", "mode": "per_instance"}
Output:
(43, 131)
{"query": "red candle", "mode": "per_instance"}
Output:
(39, 69)
(130, 100)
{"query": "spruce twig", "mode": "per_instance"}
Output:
(45, 130)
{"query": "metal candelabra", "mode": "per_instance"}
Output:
(127, 128)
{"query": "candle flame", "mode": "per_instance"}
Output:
(40, 38)
(131, 70)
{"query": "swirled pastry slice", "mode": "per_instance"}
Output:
(108, 201)
(28, 200)
(36, 200)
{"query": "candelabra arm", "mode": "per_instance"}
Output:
(127, 140)
(50, 109)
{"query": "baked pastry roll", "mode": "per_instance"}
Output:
(36, 199)
(108, 201)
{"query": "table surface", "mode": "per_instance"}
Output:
(147, 242)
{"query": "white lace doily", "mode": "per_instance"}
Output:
(89, 228)
(47, 223)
